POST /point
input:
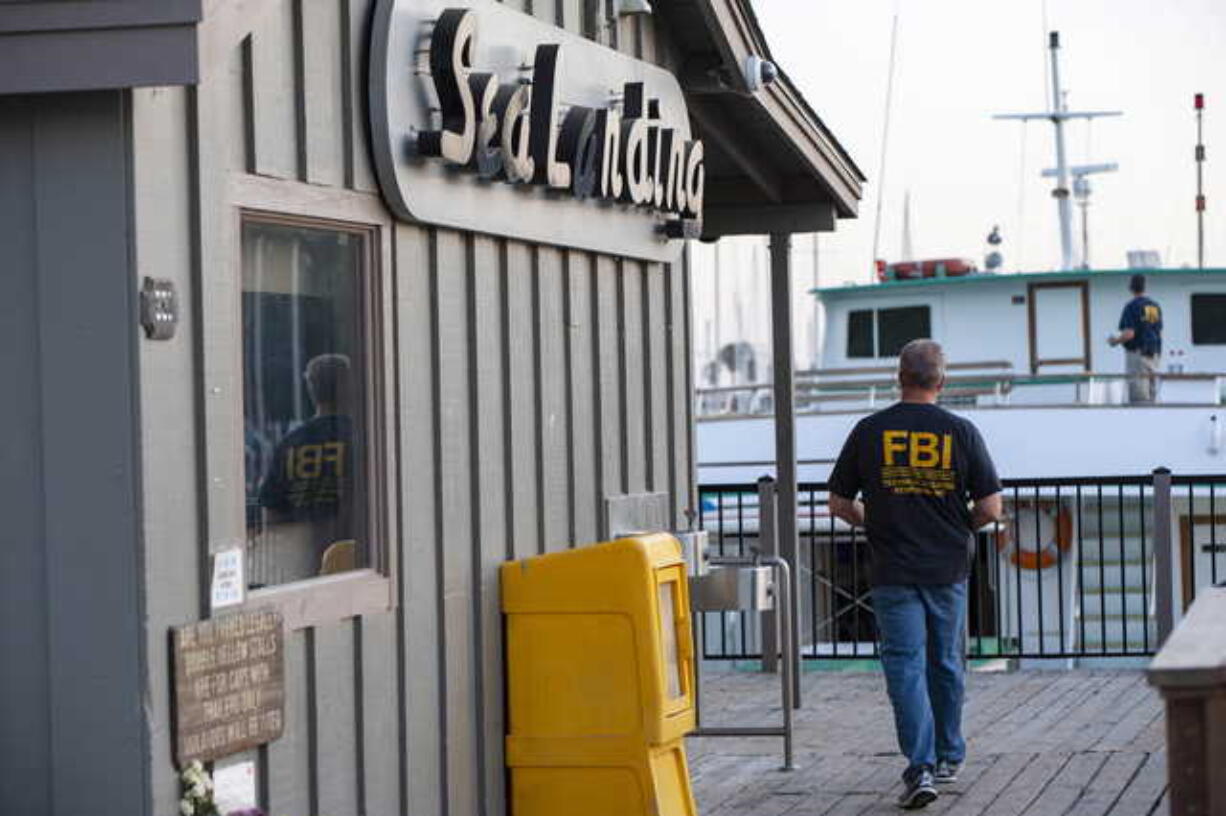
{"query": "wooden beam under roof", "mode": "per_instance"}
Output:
(721, 35)
(756, 219)
(720, 137)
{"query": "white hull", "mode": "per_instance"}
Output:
(1025, 442)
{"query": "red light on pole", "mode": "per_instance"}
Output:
(1199, 102)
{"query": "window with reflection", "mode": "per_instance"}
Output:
(305, 365)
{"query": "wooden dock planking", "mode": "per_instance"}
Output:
(1146, 786)
(1108, 785)
(1039, 743)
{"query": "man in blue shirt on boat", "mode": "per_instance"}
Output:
(1140, 332)
(928, 484)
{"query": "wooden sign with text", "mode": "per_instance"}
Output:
(229, 676)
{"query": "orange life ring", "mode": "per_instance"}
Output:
(1050, 551)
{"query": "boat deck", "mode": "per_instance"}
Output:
(1039, 742)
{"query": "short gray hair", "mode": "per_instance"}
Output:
(327, 378)
(921, 364)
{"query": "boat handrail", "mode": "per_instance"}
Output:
(890, 370)
(999, 387)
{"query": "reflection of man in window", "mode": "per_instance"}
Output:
(309, 484)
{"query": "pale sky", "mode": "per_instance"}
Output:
(959, 62)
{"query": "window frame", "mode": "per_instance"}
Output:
(1192, 317)
(872, 333)
(330, 598)
(874, 320)
(925, 307)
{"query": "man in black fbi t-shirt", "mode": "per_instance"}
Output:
(928, 484)
(1141, 336)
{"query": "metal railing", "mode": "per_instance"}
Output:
(980, 389)
(1077, 569)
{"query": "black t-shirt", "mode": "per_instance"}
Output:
(1144, 316)
(311, 475)
(917, 466)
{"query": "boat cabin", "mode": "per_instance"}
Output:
(1029, 338)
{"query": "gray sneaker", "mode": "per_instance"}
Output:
(946, 771)
(921, 792)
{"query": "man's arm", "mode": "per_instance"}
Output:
(985, 511)
(849, 510)
(1127, 327)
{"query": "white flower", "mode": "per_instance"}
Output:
(199, 791)
(186, 808)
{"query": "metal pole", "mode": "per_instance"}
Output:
(700, 638)
(1061, 192)
(718, 337)
(783, 599)
(785, 412)
(768, 548)
(1085, 234)
(790, 669)
(1200, 182)
(1164, 562)
(817, 305)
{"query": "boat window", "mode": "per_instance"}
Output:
(306, 375)
(1209, 320)
(897, 327)
(860, 334)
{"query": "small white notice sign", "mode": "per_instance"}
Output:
(228, 583)
(234, 783)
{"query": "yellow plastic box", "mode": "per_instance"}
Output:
(600, 680)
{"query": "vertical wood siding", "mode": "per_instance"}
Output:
(530, 383)
(168, 413)
(71, 657)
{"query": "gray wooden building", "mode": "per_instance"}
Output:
(502, 395)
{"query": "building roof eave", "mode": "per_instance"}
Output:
(784, 164)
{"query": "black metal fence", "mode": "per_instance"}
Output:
(1069, 573)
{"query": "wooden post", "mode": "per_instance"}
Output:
(1190, 671)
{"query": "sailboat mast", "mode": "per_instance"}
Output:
(907, 251)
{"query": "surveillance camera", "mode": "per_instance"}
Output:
(759, 72)
(627, 8)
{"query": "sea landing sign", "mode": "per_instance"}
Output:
(486, 119)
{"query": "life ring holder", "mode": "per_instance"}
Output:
(1050, 552)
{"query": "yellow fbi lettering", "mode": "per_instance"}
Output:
(922, 448)
(308, 461)
(1151, 314)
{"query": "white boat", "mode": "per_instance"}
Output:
(1029, 364)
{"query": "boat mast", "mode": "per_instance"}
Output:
(1058, 115)
(1061, 192)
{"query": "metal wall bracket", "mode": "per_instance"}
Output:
(159, 308)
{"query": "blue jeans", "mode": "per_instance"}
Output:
(921, 636)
